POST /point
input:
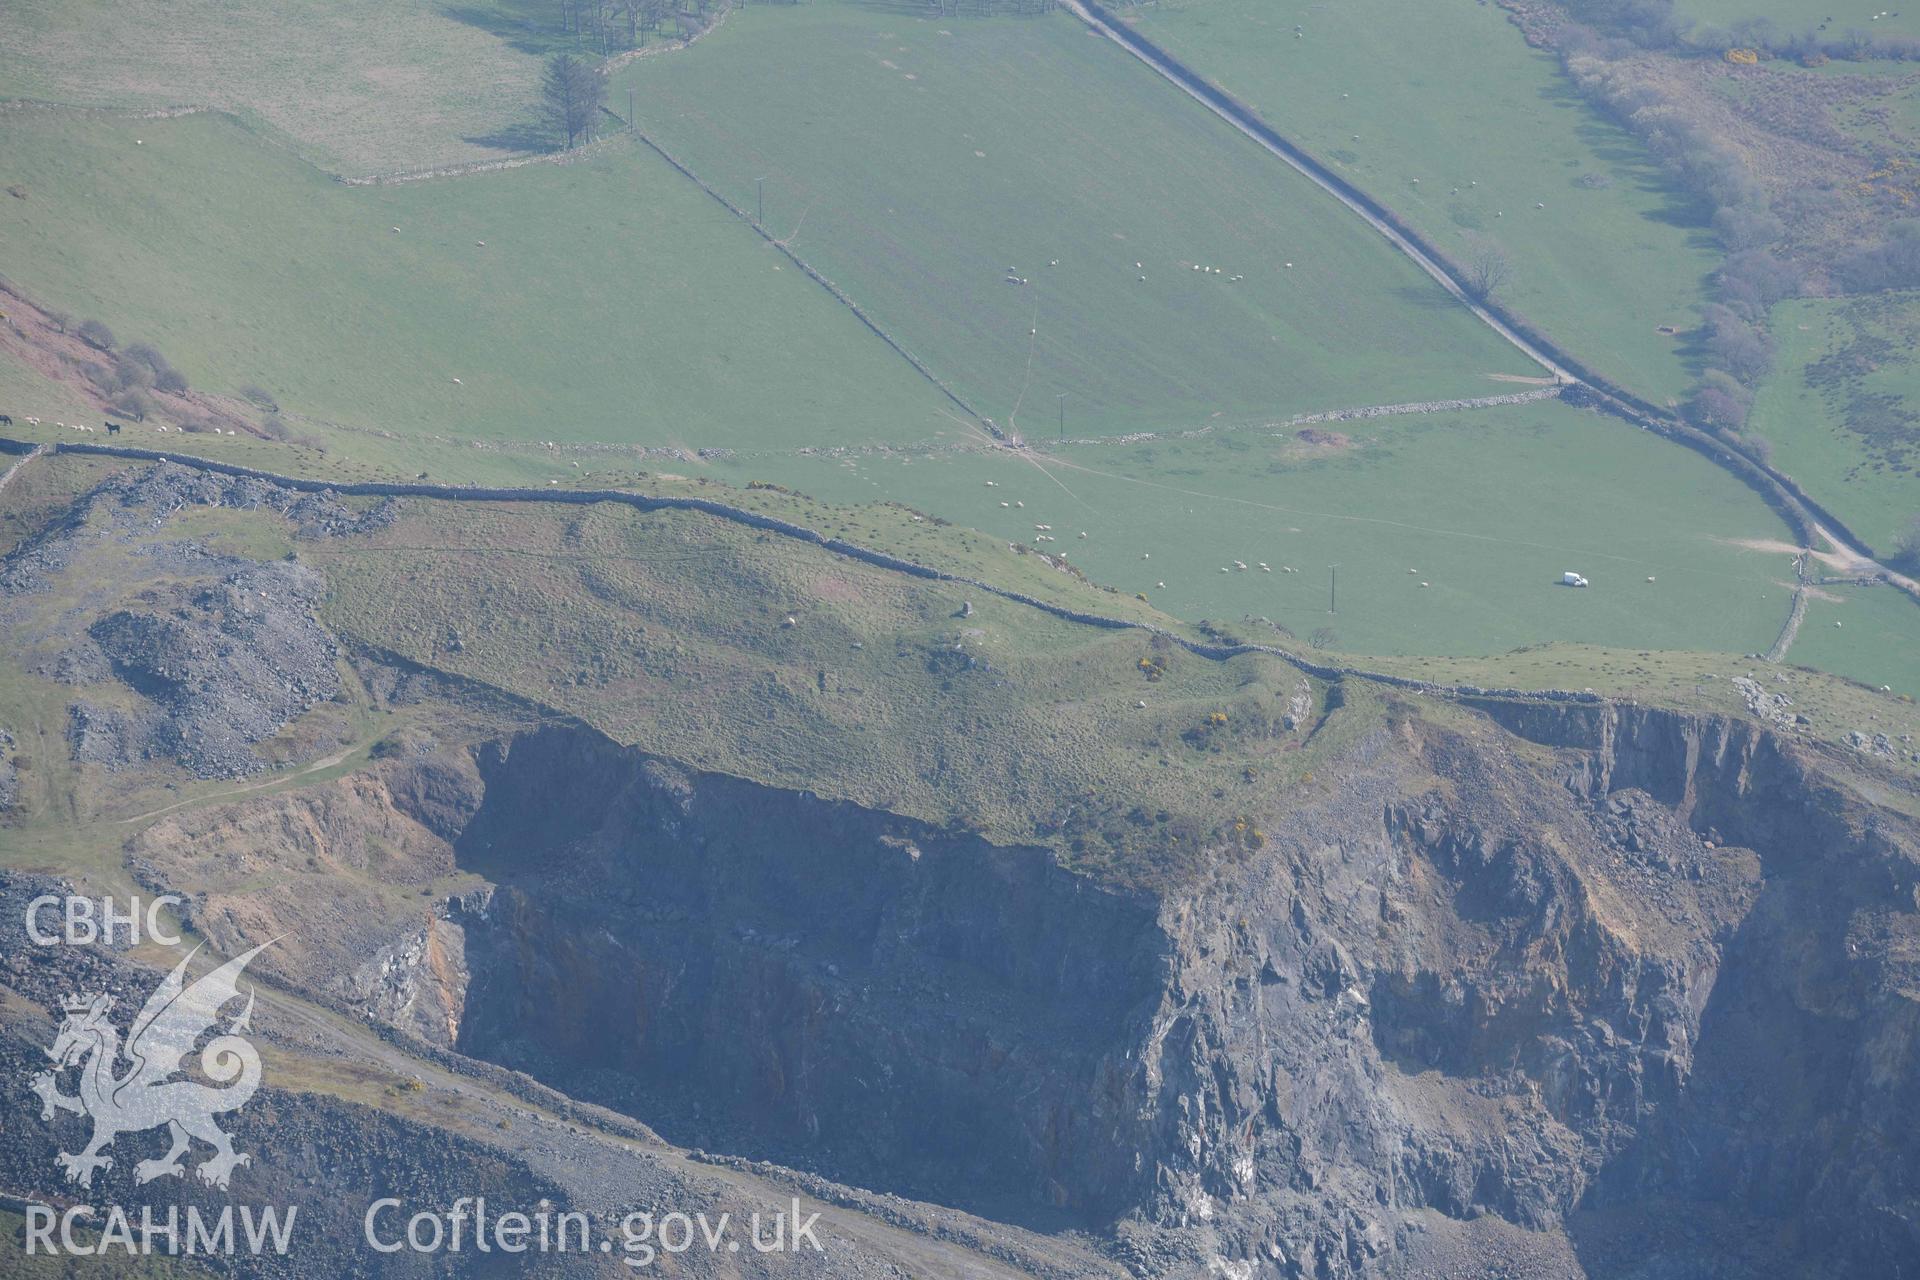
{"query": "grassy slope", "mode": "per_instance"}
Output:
(25, 390)
(1841, 407)
(358, 85)
(1447, 91)
(667, 631)
(1490, 506)
(613, 301)
(914, 161)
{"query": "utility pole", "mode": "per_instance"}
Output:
(629, 111)
(1333, 585)
(1063, 416)
(760, 201)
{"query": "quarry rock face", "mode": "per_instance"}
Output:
(1567, 969)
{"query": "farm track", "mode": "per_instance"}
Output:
(1811, 522)
(6, 477)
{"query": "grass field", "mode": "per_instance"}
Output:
(1842, 407)
(612, 300)
(1877, 641)
(359, 86)
(1446, 92)
(1794, 16)
(1490, 506)
(920, 163)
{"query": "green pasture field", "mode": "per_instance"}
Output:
(1790, 17)
(923, 163)
(1842, 407)
(1446, 92)
(611, 299)
(1489, 506)
(358, 86)
(1877, 641)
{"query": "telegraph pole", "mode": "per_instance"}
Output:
(1333, 585)
(760, 201)
(629, 111)
(1063, 416)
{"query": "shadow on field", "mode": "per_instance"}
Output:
(517, 137)
(1629, 160)
(1425, 297)
(523, 24)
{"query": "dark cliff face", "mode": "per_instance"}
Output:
(1554, 972)
(911, 1008)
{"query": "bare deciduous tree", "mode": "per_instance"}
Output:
(1487, 269)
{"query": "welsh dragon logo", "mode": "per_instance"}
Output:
(153, 1090)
